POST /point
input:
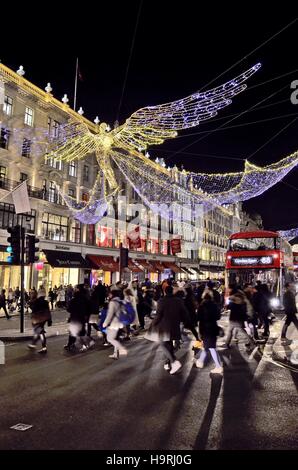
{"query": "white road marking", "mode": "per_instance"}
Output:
(21, 427)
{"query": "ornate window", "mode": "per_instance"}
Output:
(26, 148)
(28, 116)
(72, 169)
(54, 227)
(7, 106)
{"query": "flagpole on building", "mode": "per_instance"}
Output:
(76, 85)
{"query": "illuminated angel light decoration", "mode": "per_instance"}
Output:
(230, 188)
(289, 234)
(90, 213)
(148, 126)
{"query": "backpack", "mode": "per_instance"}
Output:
(126, 314)
(103, 316)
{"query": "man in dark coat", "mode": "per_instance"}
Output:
(290, 310)
(80, 310)
(3, 303)
(165, 328)
(40, 316)
(98, 297)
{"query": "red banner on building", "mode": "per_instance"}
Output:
(176, 246)
(134, 239)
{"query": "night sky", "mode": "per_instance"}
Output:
(177, 50)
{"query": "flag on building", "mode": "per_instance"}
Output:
(21, 199)
(80, 76)
(134, 238)
(176, 245)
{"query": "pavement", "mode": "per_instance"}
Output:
(79, 401)
(10, 329)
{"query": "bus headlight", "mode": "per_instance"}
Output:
(274, 302)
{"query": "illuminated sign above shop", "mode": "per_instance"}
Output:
(251, 260)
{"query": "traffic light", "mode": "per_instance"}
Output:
(31, 249)
(14, 248)
(123, 257)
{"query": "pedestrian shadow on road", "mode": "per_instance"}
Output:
(295, 378)
(203, 434)
(237, 391)
(179, 387)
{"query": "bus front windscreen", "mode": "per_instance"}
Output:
(252, 244)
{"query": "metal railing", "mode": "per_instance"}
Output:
(38, 193)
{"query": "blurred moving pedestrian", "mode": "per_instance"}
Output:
(40, 316)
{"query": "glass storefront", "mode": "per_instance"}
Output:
(10, 276)
(50, 277)
(100, 275)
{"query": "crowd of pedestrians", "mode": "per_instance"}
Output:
(118, 313)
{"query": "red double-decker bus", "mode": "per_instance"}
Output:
(259, 256)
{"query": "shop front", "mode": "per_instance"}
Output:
(212, 270)
(104, 268)
(60, 268)
(148, 270)
(10, 276)
(174, 269)
(158, 274)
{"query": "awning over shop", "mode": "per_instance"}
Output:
(133, 267)
(212, 269)
(197, 270)
(173, 267)
(187, 270)
(106, 263)
(157, 266)
(64, 259)
(146, 265)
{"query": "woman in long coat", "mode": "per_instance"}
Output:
(165, 328)
(208, 314)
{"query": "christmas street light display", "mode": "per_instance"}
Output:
(124, 145)
(289, 234)
(254, 180)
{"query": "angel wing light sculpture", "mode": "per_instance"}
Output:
(122, 147)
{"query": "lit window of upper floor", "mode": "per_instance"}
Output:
(28, 116)
(3, 171)
(26, 148)
(23, 177)
(53, 128)
(7, 105)
(72, 169)
(4, 138)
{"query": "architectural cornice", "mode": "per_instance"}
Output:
(44, 99)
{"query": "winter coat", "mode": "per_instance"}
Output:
(98, 297)
(191, 307)
(2, 300)
(170, 313)
(79, 308)
(40, 311)
(261, 303)
(112, 320)
(61, 295)
(290, 303)
(208, 314)
(237, 307)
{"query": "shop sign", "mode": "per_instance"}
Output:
(176, 245)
